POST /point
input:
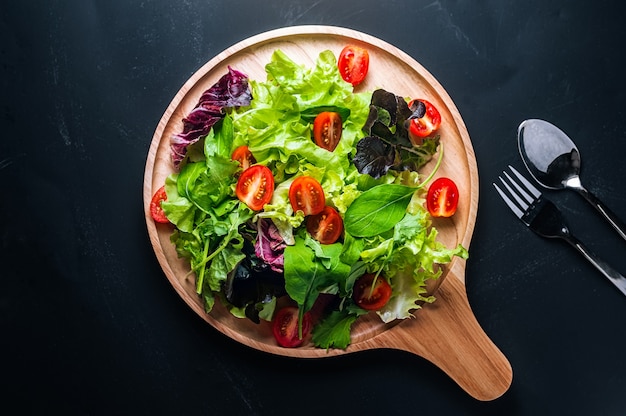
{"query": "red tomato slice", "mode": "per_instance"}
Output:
(285, 327)
(155, 206)
(243, 155)
(353, 63)
(306, 195)
(326, 227)
(426, 125)
(442, 198)
(371, 297)
(255, 187)
(327, 129)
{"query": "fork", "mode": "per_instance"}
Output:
(545, 219)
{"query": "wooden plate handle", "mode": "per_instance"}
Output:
(451, 338)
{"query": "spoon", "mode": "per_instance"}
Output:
(554, 161)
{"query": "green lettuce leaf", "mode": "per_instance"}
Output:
(179, 210)
(277, 125)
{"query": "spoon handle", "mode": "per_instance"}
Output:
(605, 211)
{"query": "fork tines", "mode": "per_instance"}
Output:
(523, 197)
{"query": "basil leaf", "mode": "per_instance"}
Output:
(377, 210)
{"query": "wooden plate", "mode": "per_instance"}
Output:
(445, 332)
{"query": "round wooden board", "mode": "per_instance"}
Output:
(395, 71)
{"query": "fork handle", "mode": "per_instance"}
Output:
(617, 224)
(616, 278)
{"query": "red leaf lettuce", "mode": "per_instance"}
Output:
(232, 90)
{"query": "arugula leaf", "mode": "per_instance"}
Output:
(200, 203)
(308, 272)
(334, 330)
(216, 249)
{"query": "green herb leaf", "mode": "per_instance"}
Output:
(377, 210)
(309, 114)
(334, 331)
(307, 273)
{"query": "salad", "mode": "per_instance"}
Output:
(299, 201)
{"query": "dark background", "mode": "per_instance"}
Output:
(89, 323)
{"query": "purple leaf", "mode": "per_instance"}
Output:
(232, 90)
(387, 145)
(270, 246)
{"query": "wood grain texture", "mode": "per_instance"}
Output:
(445, 332)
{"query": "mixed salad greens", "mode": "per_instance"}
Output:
(250, 258)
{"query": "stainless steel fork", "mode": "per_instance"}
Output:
(545, 219)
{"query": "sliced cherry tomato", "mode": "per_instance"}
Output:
(255, 187)
(155, 206)
(243, 155)
(369, 294)
(326, 227)
(327, 129)
(353, 63)
(286, 329)
(442, 198)
(306, 195)
(425, 125)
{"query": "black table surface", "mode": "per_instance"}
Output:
(90, 324)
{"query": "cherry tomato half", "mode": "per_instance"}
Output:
(442, 198)
(306, 195)
(155, 206)
(285, 327)
(326, 227)
(327, 129)
(255, 187)
(353, 63)
(243, 155)
(426, 125)
(380, 292)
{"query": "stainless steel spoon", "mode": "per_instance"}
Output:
(554, 161)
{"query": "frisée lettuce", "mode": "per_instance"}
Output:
(376, 188)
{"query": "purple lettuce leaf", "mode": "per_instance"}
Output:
(270, 246)
(197, 124)
(232, 90)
